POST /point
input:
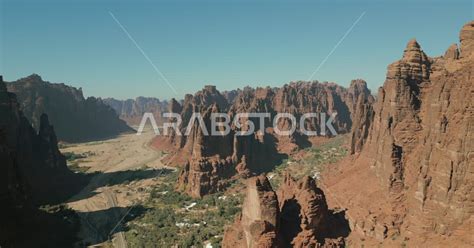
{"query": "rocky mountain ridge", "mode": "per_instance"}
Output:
(32, 169)
(75, 118)
(132, 110)
(210, 160)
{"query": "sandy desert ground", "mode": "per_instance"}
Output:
(123, 167)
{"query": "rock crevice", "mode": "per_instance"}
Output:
(296, 215)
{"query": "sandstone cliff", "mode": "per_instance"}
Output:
(413, 179)
(32, 170)
(210, 160)
(30, 155)
(296, 216)
(75, 118)
(257, 224)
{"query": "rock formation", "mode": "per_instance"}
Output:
(132, 110)
(29, 155)
(296, 216)
(413, 179)
(257, 224)
(75, 118)
(360, 103)
(231, 95)
(209, 160)
(32, 170)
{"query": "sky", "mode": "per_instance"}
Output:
(164, 49)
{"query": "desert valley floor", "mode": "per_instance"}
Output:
(129, 177)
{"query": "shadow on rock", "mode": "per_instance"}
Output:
(26, 226)
(339, 225)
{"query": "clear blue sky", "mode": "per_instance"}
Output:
(230, 44)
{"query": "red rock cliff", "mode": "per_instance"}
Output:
(296, 216)
(413, 179)
(209, 161)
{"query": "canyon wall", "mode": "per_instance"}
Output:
(296, 215)
(74, 117)
(413, 176)
(208, 161)
(32, 170)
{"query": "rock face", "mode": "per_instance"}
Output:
(29, 155)
(132, 110)
(296, 216)
(466, 38)
(231, 95)
(75, 118)
(32, 170)
(417, 157)
(360, 102)
(257, 224)
(210, 160)
(304, 209)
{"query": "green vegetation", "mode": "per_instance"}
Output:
(73, 160)
(174, 218)
(325, 154)
(315, 159)
(50, 226)
(52, 209)
(278, 173)
(74, 166)
(71, 156)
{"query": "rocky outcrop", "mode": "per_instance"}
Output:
(32, 170)
(257, 225)
(210, 160)
(416, 162)
(466, 38)
(75, 118)
(452, 52)
(296, 216)
(304, 212)
(30, 156)
(132, 110)
(231, 95)
(12, 187)
(360, 103)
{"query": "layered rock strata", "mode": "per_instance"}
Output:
(413, 179)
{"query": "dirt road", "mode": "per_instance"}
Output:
(101, 205)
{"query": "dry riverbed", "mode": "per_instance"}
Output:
(121, 170)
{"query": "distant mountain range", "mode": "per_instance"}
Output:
(132, 110)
